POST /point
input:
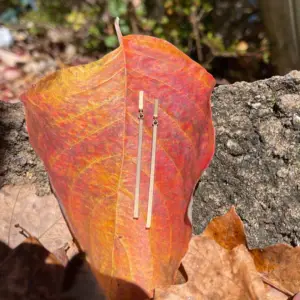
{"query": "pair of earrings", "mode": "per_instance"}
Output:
(139, 158)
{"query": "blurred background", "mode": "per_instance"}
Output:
(234, 39)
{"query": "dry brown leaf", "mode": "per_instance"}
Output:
(274, 294)
(227, 230)
(281, 264)
(65, 253)
(40, 216)
(278, 267)
(216, 273)
(30, 272)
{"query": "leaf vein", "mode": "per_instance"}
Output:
(70, 147)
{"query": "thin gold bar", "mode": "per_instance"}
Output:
(152, 167)
(139, 156)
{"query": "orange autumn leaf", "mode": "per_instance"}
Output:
(83, 123)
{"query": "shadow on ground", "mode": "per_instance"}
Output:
(30, 272)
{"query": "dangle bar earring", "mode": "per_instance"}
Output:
(139, 156)
(152, 167)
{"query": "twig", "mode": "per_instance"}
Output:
(194, 19)
(133, 18)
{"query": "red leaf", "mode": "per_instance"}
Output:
(83, 123)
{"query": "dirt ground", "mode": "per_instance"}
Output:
(256, 166)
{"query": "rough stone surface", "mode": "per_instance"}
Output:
(18, 162)
(256, 166)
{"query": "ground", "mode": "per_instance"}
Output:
(256, 166)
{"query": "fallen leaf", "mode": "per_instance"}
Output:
(216, 273)
(30, 272)
(61, 255)
(83, 123)
(40, 216)
(65, 253)
(227, 230)
(297, 297)
(279, 265)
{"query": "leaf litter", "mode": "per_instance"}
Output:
(40, 216)
(219, 265)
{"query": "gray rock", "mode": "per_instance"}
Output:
(296, 121)
(256, 166)
(289, 104)
(18, 162)
(234, 148)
